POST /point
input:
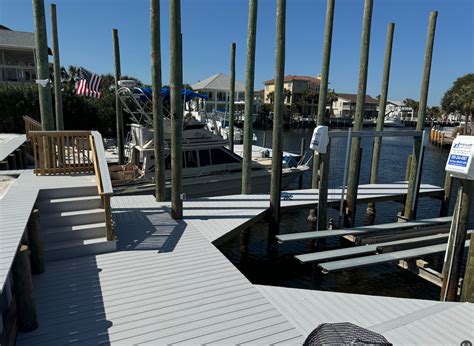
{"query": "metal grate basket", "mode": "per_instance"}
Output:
(344, 334)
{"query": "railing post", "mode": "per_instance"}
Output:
(108, 217)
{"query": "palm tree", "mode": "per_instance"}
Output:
(271, 97)
(330, 99)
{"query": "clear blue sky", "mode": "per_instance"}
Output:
(209, 27)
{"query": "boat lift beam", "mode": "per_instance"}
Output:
(282, 238)
(383, 258)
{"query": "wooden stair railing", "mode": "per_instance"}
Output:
(75, 152)
(102, 177)
(31, 125)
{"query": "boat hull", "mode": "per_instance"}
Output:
(216, 185)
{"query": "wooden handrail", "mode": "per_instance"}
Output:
(103, 168)
(102, 175)
(31, 125)
(73, 152)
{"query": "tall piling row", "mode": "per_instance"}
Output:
(420, 124)
(157, 105)
(58, 97)
(176, 84)
(353, 178)
(321, 161)
(232, 97)
(249, 87)
(42, 66)
(277, 145)
(381, 114)
(118, 106)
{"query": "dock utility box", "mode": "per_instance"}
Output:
(460, 160)
(320, 139)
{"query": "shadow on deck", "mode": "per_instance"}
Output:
(147, 229)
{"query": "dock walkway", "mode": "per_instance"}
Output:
(219, 218)
(16, 207)
(168, 284)
(9, 143)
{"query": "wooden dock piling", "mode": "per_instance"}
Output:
(58, 97)
(455, 249)
(19, 159)
(467, 292)
(42, 66)
(381, 114)
(157, 106)
(303, 146)
(176, 84)
(232, 97)
(320, 172)
(249, 87)
(35, 243)
(354, 170)
(408, 211)
(448, 182)
(23, 288)
(408, 168)
(3, 165)
(118, 106)
(11, 159)
(277, 145)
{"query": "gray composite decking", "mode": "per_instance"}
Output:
(16, 206)
(167, 284)
(218, 218)
(8, 147)
(401, 321)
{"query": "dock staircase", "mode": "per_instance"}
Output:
(73, 223)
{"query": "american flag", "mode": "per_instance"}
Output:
(88, 84)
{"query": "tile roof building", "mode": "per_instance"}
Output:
(297, 87)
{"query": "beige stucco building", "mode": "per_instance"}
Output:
(296, 86)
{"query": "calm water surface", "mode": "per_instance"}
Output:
(384, 279)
